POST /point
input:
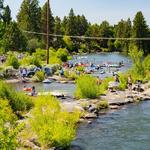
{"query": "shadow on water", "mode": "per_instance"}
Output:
(124, 129)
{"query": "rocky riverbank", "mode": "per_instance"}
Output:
(115, 100)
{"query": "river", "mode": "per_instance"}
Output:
(124, 129)
(69, 89)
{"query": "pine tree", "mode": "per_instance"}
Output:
(57, 31)
(7, 15)
(1, 8)
(13, 38)
(29, 17)
(64, 26)
(81, 25)
(57, 26)
(123, 30)
(71, 23)
(44, 23)
(105, 31)
(140, 30)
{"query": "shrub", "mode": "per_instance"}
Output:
(8, 128)
(62, 54)
(70, 75)
(123, 78)
(86, 87)
(52, 127)
(17, 100)
(33, 44)
(80, 68)
(137, 58)
(53, 59)
(40, 54)
(31, 60)
(12, 61)
(83, 48)
(39, 76)
(103, 87)
(102, 104)
(73, 76)
(68, 43)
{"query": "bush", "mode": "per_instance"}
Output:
(62, 54)
(146, 65)
(103, 87)
(33, 44)
(80, 68)
(39, 76)
(40, 54)
(52, 127)
(86, 87)
(103, 104)
(137, 58)
(53, 59)
(8, 127)
(17, 100)
(123, 78)
(70, 75)
(12, 61)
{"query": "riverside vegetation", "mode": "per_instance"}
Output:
(52, 126)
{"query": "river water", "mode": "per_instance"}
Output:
(69, 89)
(124, 129)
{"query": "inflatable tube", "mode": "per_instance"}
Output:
(27, 89)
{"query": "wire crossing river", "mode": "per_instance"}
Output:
(125, 129)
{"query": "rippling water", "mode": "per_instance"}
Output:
(124, 129)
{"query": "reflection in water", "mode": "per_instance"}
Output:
(125, 129)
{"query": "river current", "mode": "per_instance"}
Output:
(124, 129)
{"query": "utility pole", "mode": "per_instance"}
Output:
(47, 44)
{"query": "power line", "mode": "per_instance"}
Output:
(88, 37)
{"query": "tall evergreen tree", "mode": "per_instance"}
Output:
(57, 31)
(140, 30)
(44, 22)
(57, 25)
(29, 17)
(64, 25)
(7, 15)
(81, 25)
(105, 31)
(71, 23)
(1, 8)
(13, 38)
(123, 30)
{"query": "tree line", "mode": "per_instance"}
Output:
(31, 17)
